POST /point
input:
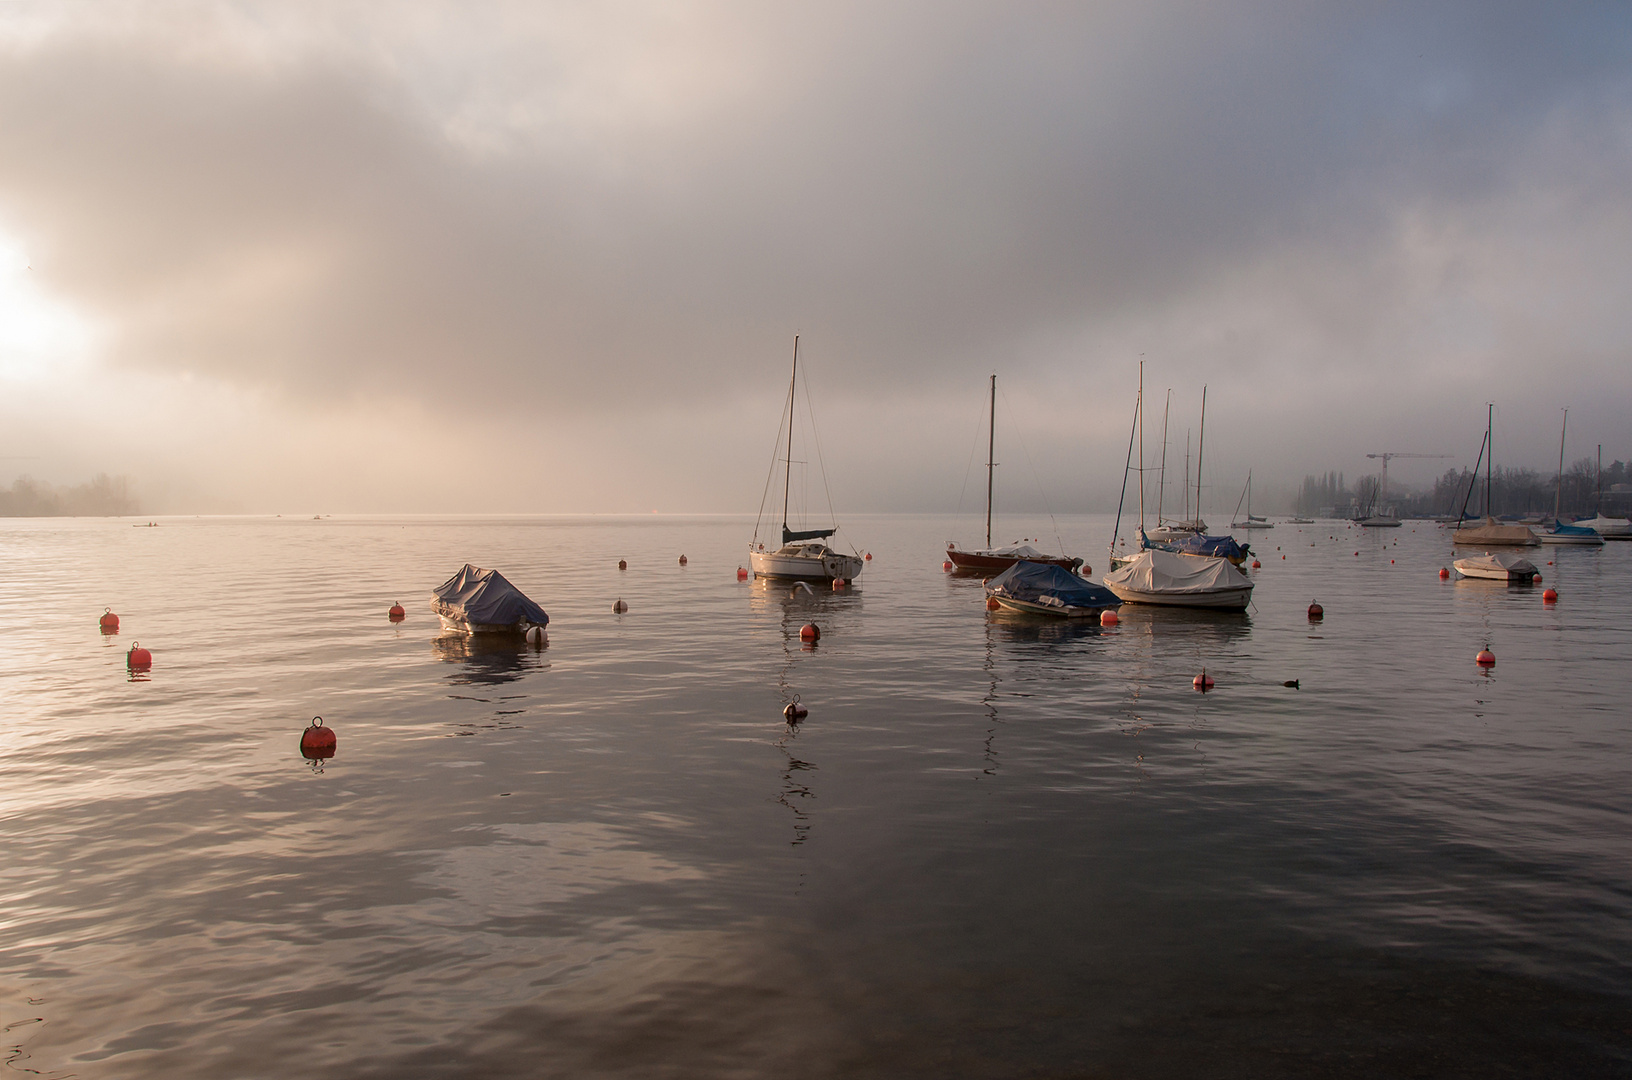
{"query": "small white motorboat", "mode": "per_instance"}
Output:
(1497, 566)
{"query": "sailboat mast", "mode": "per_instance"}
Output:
(1558, 492)
(1490, 417)
(787, 475)
(991, 446)
(1201, 441)
(1187, 517)
(1598, 507)
(1141, 452)
(1161, 483)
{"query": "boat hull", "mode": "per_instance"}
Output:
(1223, 600)
(1052, 611)
(1379, 522)
(829, 566)
(973, 562)
(454, 622)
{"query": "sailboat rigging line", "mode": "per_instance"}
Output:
(787, 476)
(1161, 483)
(1042, 493)
(1473, 479)
(821, 462)
(1201, 441)
(770, 472)
(1125, 466)
(968, 470)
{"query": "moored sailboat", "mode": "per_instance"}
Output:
(1489, 533)
(802, 554)
(989, 560)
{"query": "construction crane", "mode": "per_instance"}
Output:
(1383, 493)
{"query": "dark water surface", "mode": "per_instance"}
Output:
(997, 846)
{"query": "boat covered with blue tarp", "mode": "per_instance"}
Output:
(1214, 547)
(1046, 589)
(481, 601)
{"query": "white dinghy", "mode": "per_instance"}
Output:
(1497, 566)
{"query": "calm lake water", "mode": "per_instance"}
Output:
(997, 847)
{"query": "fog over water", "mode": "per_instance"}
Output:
(551, 258)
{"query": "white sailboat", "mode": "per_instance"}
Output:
(1168, 578)
(802, 555)
(1249, 522)
(1490, 532)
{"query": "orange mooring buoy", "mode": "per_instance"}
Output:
(1109, 618)
(1202, 682)
(1549, 595)
(138, 658)
(946, 564)
(397, 614)
(1444, 573)
(810, 632)
(1316, 611)
(839, 583)
(682, 560)
(109, 622)
(1486, 658)
(742, 573)
(317, 742)
(1256, 565)
(869, 556)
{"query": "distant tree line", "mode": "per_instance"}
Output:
(101, 496)
(1512, 491)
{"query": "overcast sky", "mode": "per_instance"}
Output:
(552, 257)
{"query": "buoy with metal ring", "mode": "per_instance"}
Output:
(869, 556)
(109, 622)
(1202, 682)
(1316, 611)
(138, 658)
(794, 711)
(1444, 573)
(1486, 658)
(397, 613)
(317, 741)
(1256, 565)
(1109, 618)
(810, 632)
(742, 573)
(1549, 595)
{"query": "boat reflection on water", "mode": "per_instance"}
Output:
(769, 596)
(487, 659)
(1019, 627)
(1187, 625)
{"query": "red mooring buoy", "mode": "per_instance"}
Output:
(1486, 658)
(623, 564)
(839, 583)
(138, 658)
(1444, 573)
(1109, 618)
(946, 564)
(810, 632)
(109, 622)
(1316, 611)
(682, 560)
(1549, 595)
(794, 711)
(742, 573)
(869, 556)
(619, 607)
(1202, 682)
(317, 741)
(397, 614)
(1256, 565)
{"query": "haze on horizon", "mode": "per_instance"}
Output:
(426, 257)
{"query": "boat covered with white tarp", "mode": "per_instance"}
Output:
(1493, 533)
(1164, 577)
(482, 601)
(1497, 566)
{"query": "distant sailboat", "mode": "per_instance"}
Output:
(1559, 533)
(1249, 522)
